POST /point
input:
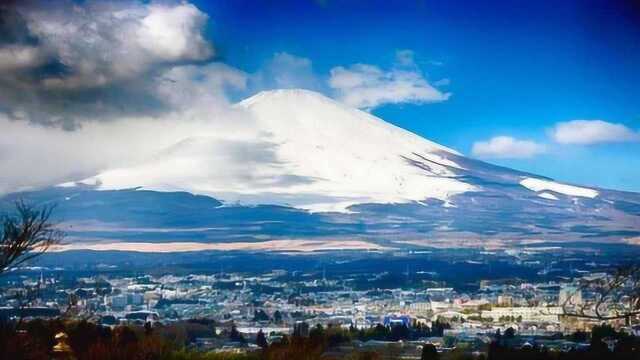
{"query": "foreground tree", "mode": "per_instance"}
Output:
(617, 296)
(26, 234)
(429, 352)
(261, 340)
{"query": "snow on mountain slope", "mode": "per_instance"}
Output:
(541, 185)
(309, 152)
(548, 196)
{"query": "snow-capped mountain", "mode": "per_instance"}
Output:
(317, 168)
(310, 152)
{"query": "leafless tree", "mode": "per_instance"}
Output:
(26, 234)
(615, 296)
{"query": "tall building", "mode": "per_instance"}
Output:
(135, 298)
(118, 301)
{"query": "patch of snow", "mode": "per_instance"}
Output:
(548, 196)
(541, 185)
(67, 184)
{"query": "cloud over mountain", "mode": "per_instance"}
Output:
(86, 86)
(286, 71)
(586, 132)
(506, 147)
(367, 86)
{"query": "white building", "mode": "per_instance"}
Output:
(534, 314)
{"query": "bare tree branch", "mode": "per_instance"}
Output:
(26, 234)
(615, 296)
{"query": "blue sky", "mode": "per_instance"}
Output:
(514, 69)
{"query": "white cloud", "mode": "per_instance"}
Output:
(95, 60)
(44, 155)
(101, 43)
(174, 33)
(586, 132)
(285, 71)
(193, 87)
(18, 57)
(506, 147)
(367, 86)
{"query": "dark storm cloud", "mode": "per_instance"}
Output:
(67, 63)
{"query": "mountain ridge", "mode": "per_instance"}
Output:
(349, 179)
